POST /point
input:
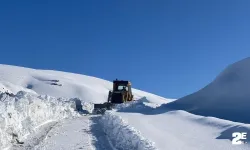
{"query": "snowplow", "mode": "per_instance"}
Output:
(121, 93)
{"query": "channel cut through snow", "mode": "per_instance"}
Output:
(23, 113)
(48, 96)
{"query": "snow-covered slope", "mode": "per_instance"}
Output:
(180, 130)
(31, 120)
(227, 97)
(32, 98)
(60, 84)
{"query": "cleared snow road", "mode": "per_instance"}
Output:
(75, 134)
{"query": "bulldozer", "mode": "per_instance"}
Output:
(121, 93)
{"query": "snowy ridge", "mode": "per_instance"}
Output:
(122, 135)
(22, 114)
(227, 97)
(61, 84)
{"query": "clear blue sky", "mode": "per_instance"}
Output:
(167, 47)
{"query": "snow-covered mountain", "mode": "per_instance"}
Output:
(60, 84)
(48, 110)
(31, 98)
(227, 97)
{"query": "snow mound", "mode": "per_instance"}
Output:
(227, 97)
(141, 105)
(123, 136)
(23, 113)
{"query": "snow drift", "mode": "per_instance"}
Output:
(139, 105)
(22, 113)
(123, 136)
(227, 97)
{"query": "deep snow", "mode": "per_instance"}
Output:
(178, 130)
(60, 84)
(46, 110)
(227, 97)
(22, 114)
(122, 135)
(31, 99)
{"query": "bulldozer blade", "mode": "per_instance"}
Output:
(97, 106)
(101, 108)
(104, 105)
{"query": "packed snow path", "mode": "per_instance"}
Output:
(76, 134)
(82, 133)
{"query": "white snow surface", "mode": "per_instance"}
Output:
(60, 84)
(31, 99)
(178, 129)
(42, 109)
(71, 134)
(22, 114)
(227, 97)
(122, 135)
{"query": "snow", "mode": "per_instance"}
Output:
(45, 109)
(32, 99)
(68, 134)
(177, 129)
(22, 114)
(36, 138)
(122, 135)
(60, 84)
(227, 97)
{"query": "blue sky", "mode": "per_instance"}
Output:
(167, 47)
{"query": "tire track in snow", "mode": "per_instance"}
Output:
(35, 139)
(69, 134)
(83, 133)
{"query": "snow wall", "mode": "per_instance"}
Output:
(22, 113)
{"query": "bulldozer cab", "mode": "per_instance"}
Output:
(121, 92)
(121, 86)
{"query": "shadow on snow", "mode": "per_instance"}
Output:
(99, 140)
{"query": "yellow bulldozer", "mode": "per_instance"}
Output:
(121, 93)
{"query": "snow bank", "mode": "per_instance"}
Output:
(21, 114)
(123, 136)
(76, 103)
(227, 97)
